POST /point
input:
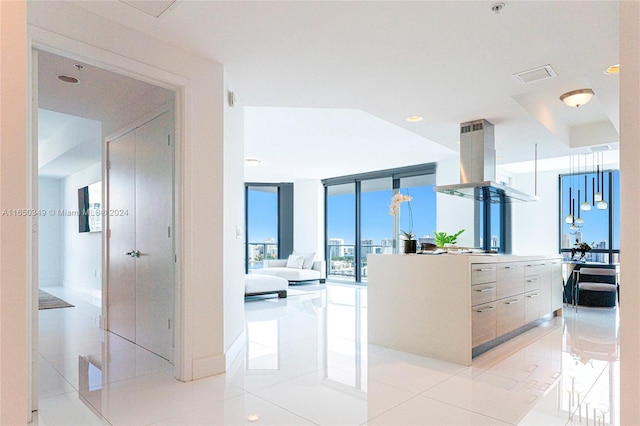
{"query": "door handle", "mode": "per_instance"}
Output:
(133, 253)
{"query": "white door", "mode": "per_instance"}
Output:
(141, 290)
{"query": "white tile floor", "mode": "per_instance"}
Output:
(307, 361)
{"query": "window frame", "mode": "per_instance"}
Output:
(395, 174)
(610, 251)
(285, 218)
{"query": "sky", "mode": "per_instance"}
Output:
(377, 223)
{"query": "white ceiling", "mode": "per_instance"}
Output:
(66, 111)
(449, 61)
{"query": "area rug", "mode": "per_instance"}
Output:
(49, 301)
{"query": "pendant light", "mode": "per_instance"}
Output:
(598, 196)
(585, 206)
(602, 204)
(569, 218)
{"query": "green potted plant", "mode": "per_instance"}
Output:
(442, 238)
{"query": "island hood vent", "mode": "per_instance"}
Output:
(478, 168)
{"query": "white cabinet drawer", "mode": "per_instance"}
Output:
(483, 273)
(531, 283)
(531, 306)
(483, 293)
(509, 314)
(510, 279)
(534, 268)
(483, 324)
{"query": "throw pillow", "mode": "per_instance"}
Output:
(309, 258)
(295, 261)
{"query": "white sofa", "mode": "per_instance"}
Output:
(259, 284)
(278, 268)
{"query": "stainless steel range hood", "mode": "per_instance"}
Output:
(478, 168)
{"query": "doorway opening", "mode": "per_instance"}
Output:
(78, 106)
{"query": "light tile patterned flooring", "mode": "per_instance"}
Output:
(307, 361)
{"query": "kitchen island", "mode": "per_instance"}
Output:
(454, 306)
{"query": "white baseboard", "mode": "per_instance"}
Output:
(236, 348)
(208, 366)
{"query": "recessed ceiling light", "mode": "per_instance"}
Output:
(69, 79)
(252, 162)
(253, 417)
(613, 69)
(414, 118)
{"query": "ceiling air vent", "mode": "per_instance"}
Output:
(535, 74)
(154, 8)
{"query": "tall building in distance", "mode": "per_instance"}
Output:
(366, 246)
(336, 247)
(271, 248)
(387, 246)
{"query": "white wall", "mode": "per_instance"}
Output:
(535, 224)
(233, 228)
(204, 263)
(454, 213)
(82, 252)
(308, 217)
(50, 247)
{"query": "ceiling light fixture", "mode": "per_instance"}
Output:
(577, 98)
(69, 79)
(414, 118)
(613, 69)
(252, 162)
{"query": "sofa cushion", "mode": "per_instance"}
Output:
(295, 261)
(309, 258)
(291, 274)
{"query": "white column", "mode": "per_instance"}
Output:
(13, 229)
(308, 216)
(630, 208)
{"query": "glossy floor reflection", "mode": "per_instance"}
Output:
(307, 361)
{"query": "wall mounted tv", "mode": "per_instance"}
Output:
(90, 208)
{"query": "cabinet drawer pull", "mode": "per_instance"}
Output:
(533, 295)
(482, 290)
(511, 302)
(487, 309)
(484, 269)
(535, 280)
(510, 267)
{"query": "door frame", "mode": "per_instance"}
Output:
(41, 39)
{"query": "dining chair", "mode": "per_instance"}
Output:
(596, 287)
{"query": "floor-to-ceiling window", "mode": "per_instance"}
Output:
(269, 222)
(358, 222)
(597, 222)
(341, 230)
(376, 224)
